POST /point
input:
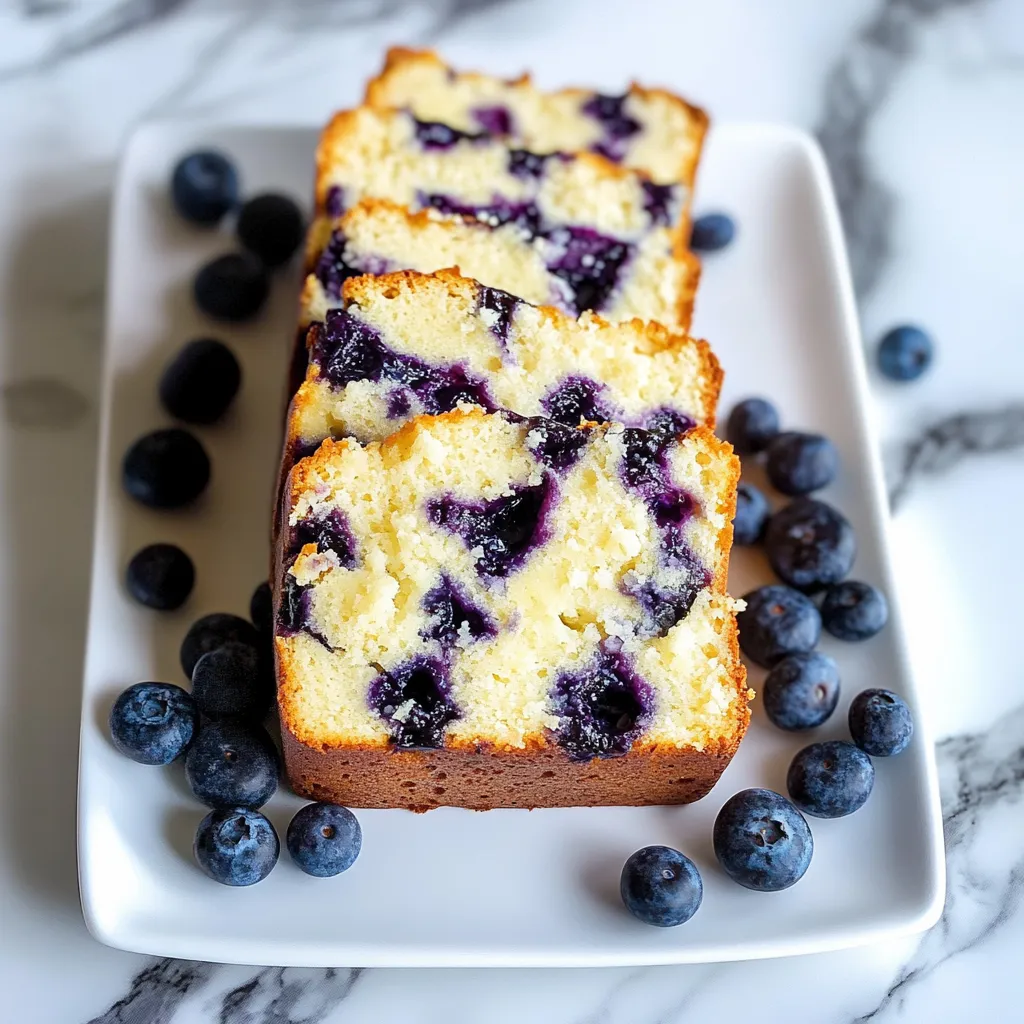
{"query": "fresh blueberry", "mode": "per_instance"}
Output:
(201, 382)
(853, 610)
(809, 544)
(261, 609)
(904, 353)
(751, 515)
(751, 425)
(232, 287)
(800, 463)
(880, 723)
(233, 681)
(661, 887)
(830, 780)
(712, 232)
(166, 468)
(777, 621)
(160, 576)
(213, 631)
(270, 226)
(801, 691)
(153, 723)
(232, 764)
(204, 186)
(324, 839)
(236, 846)
(762, 841)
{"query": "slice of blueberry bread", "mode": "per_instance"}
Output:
(377, 236)
(490, 611)
(408, 343)
(649, 129)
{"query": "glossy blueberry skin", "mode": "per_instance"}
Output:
(204, 186)
(801, 691)
(880, 723)
(270, 226)
(232, 764)
(236, 846)
(810, 545)
(213, 631)
(762, 841)
(261, 609)
(660, 886)
(853, 610)
(201, 382)
(166, 469)
(751, 515)
(324, 839)
(712, 232)
(904, 353)
(830, 780)
(160, 576)
(232, 287)
(233, 681)
(777, 621)
(799, 463)
(153, 723)
(751, 425)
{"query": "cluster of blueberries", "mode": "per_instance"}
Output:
(231, 762)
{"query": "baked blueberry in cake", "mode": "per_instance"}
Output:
(488, 610)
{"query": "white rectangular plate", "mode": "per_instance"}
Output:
(455, 887)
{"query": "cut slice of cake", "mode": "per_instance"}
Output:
(408, 343)
(486, 611)
(649, 129)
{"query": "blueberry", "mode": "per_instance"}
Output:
(166, 469)
(270, 226)
(201, 382)
(236, 846)
(233, 681)
(232, 287)
(801, 691)
(751, 425)
(324, 839)
(153, 723)
(880, 723)
(762, 841)
(213, 631)
(777, 621)
(232, 764)
(800, 463)
(661, 887)
(261, 609)
(712, 232)
(454, 617)
(204, 186)
(160, 576)
(751, 515)
(830, 780)
(853, 610)
(904, 353)
(414, 699)
(589, 263)
(809, 544)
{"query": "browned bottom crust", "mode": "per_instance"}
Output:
(484, 780)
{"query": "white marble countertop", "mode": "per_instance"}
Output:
(920, 107)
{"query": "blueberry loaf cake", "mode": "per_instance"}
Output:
(489, 611)
(406, 343)
(649, 129)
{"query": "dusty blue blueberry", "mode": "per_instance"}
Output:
(853, 610)
(232, 287)
(160, 576)
(904, 353)
(880, 722)
(324, 839)
(233, 681)
(751, 515)
(762, 841)
(236, 846)
(201, 381)
(232, 764)
(777, 621)
(270, 226)
(166, 468)
(213, 631)
(153, 723)
(204, 186)
(798, 463)
(801, 691)
(810, 545)
(712, 232)
(830, 780)
(660, 886)
(751, 425)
